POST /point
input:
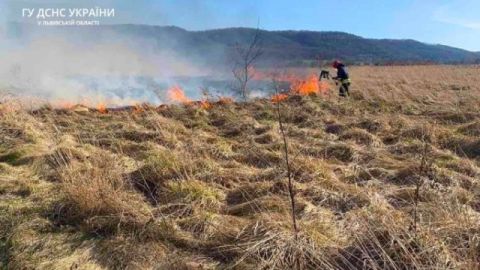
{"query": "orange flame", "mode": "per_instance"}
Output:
(101, 107)
(300, 85)
(279, 97)
(176, 94)
(310, 85)
(205, 104)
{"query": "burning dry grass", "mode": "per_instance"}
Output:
(193, 187)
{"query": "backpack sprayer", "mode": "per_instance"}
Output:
(324, 74)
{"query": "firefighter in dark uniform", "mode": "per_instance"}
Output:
(342, 78)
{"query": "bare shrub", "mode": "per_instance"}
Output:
(243, 68)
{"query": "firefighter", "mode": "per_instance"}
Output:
(342, 78)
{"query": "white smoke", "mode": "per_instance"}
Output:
(111, 70)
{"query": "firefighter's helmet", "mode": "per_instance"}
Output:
(336, 63)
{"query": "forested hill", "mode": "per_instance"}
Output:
(280, 47)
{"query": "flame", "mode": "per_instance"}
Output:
(279, 97)
(101, 107)
(205, 104)
(176, 94)
(299, 84)
(294, 82)
(310, 85)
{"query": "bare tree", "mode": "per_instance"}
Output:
(245, 57)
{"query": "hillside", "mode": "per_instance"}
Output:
(387, 179)
(280, 47)
(303, 46)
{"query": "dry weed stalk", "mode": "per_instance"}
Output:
(291, 189)
(424, 170)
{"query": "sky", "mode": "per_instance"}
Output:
(455, 23)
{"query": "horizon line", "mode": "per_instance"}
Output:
(254, 28)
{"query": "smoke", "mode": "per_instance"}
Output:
(56, 64)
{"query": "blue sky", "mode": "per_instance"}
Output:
(455, 22)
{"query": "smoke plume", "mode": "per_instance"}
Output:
(79, 66)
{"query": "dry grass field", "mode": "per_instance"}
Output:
(387, 179)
